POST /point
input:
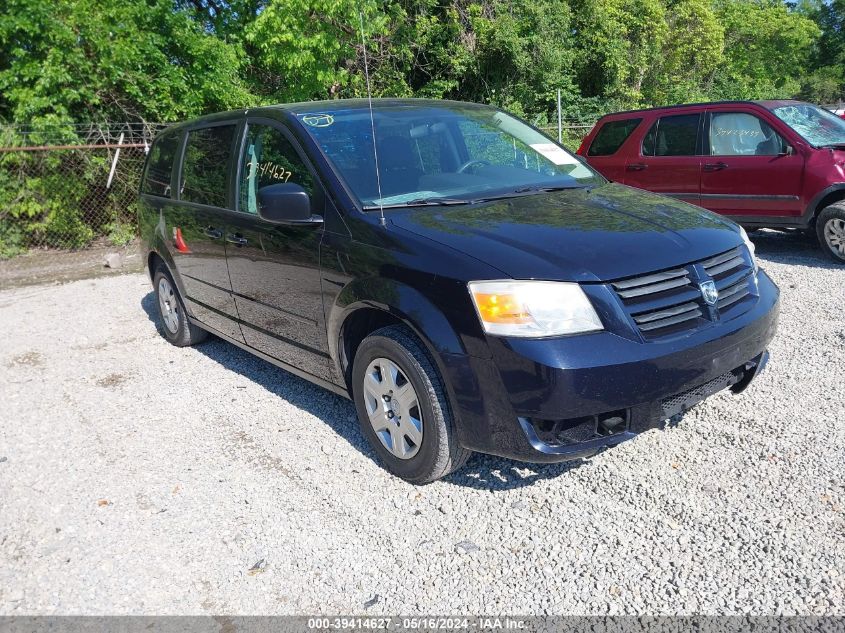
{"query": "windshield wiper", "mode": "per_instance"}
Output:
(525, 191)
(419, 202)
(833, 146)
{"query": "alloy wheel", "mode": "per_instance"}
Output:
(393, 408)
(834, 235)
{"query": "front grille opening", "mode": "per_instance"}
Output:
(723, 265)
(669, 303)
(681, 402)
(664, 317)
(654, 284)
(733, 294)
(574, 430)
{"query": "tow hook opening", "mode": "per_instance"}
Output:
(750, 371)
(611, 423)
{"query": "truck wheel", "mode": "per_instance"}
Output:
(402, 407)
(830, 230)
(173, 318)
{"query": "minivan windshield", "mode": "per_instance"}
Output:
(817, 126)
(433, 154)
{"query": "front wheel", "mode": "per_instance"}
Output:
(402, 407)
(830, 230)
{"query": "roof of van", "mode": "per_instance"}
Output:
(765, 103)
(333, 105)
(357, 104)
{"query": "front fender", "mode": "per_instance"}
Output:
(816, 205)
(404, 302)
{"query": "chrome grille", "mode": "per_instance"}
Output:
(734, 293)
(651, 284)
(724, 263)
(670, 316)
(670, 302)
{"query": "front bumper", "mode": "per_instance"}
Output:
(558, 399)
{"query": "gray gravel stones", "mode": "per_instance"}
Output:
(210, 460)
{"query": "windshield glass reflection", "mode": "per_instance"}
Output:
(441, 154)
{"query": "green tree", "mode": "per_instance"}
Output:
(692, 52)
(85, 60)
(618, 42)
(767, 49)
(826, 81)
(314, 46)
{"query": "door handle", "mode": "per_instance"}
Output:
(213, 233)
(637, 167)
(715, 166)
(236, 239)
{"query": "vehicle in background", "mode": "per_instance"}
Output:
(777, 164)
(467, 282)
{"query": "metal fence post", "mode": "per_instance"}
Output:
(559, 119)
(114, 162)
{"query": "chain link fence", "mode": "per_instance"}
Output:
(68, 194)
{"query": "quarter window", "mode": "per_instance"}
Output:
(269, 159)
(205, 166)
(672, 136)
(611, 136)
(160, 166)
(742, 134)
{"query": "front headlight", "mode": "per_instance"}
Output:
(533, 308)
(750, 246)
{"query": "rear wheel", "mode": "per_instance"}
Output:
(830, 230)
(402, 407)
(175, 326)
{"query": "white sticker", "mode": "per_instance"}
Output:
(318, 120)
(554, 153)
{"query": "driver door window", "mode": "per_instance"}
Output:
(269, 159)
(742, 134)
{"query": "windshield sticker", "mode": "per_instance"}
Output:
(553, 153)
(318, 120)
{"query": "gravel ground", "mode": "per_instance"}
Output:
(139, 478)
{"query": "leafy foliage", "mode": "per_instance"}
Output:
(164, 60)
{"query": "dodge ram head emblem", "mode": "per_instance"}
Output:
(709, 292)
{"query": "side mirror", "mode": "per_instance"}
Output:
(787, 150)
(285, 203)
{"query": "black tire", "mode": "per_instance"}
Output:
(439, 452)
(830, 223)
(184, 333)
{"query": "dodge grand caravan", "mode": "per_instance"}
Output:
(764, 163)
(467, 282)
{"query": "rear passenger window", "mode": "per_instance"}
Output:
(204, 176)
(611, 136)
(741, 134)
(672, 136)
(160, 166)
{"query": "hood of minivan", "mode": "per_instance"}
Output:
(597, 234)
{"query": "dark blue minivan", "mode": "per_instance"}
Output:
(469, 283)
